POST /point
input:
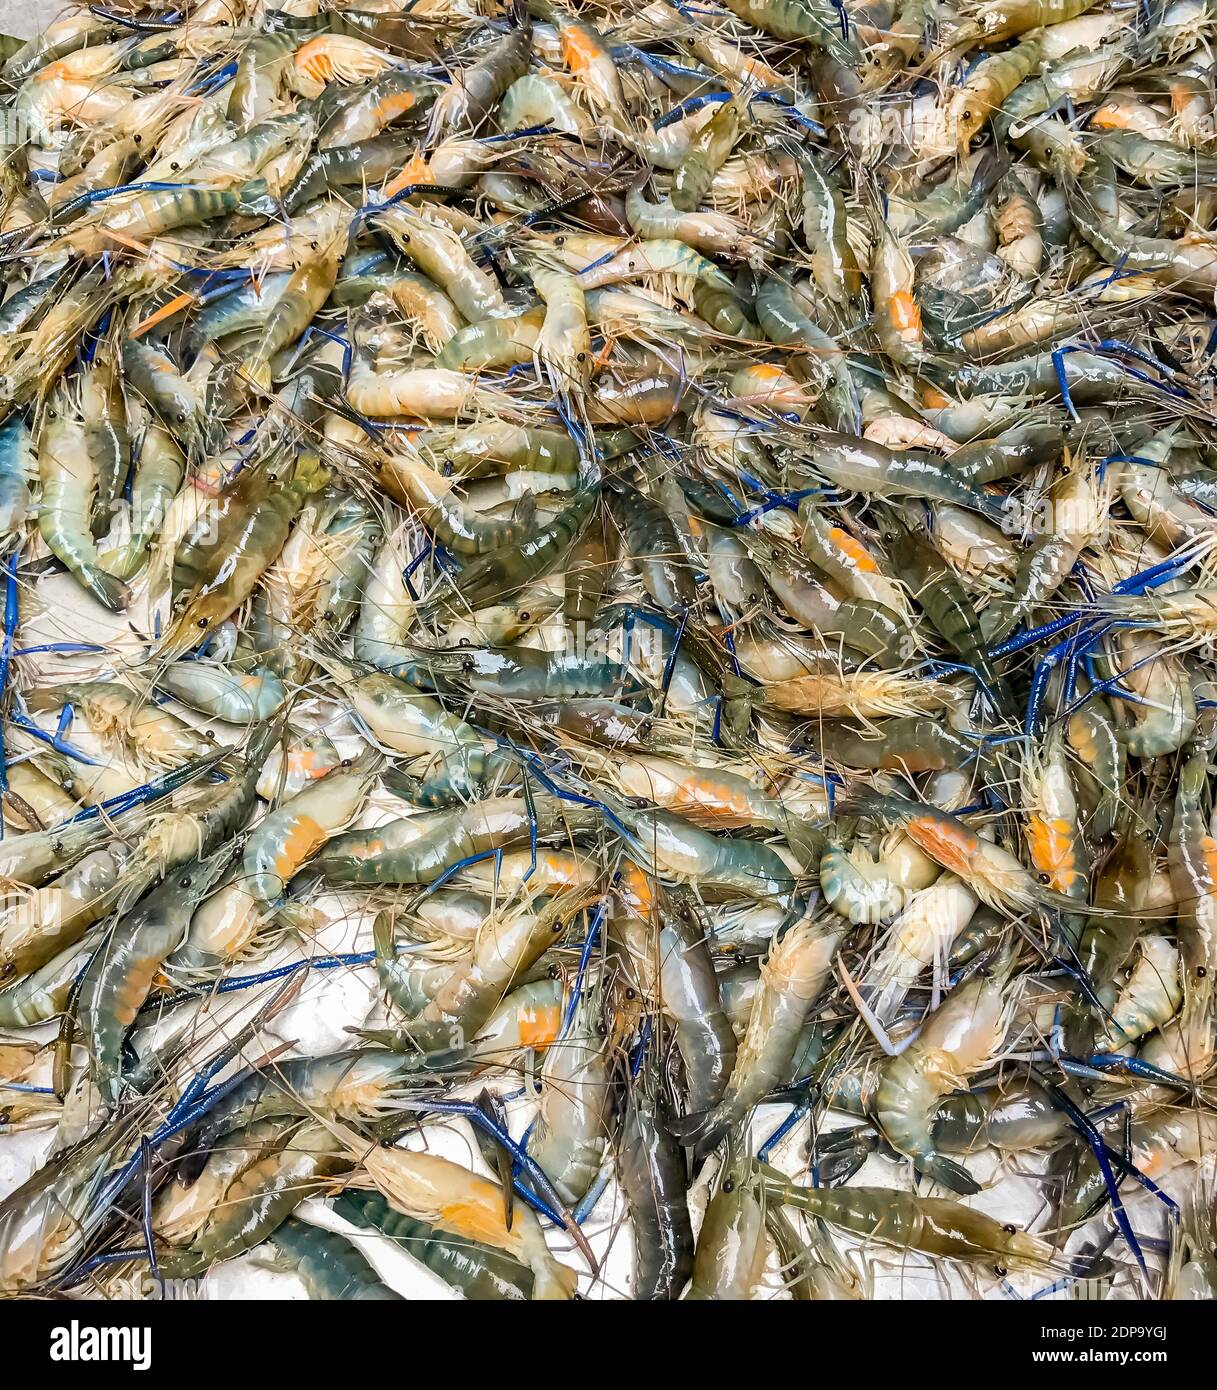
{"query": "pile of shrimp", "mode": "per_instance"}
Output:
(609, 650)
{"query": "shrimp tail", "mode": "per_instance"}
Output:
(944, 1171)
(702, 1130)
(106, 588)
(807, 841)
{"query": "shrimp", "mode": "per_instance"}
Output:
(460, 526)
(1149, 998)
(453, 1200)
(476, 90)
(120, 716)
(729, 1260)
(920, 935)
(440, 254)
(236, 697)
(1053, 832)
(958, 1039)
(1192, 858)
(293, 310)
(44, 993)
(862, 889)
(995, 875)
(69, 487)
(571, 1130)
(333, 58)
(238, 552)
(532, 100)
(835, 694)
(39, 923)
(478, 1271)
(284, 841)
(1077, 508)
(329, 1266)
(709, 151)
(502, 342)
(1166, 719)
(651, 1170)
(159, 473)
(906, 1222)
(405, 720)
(710, 232)
(792, 979)
(426, 393)
(124, 968)
(673, 969)
(418, 849)
(260, 1199)
(507, 944)
(49, 1219)
(564, 346)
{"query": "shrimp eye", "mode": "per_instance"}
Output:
(313, 245)
(1010, 1229)
(555, 971)
(1201, 971)
(201, 623)
(581, 357)
(209, 734)
(184, 882)
(1000, 1271)
(175, 167)
(137, 139)
(631, 994)
(524, 617)
(468, 664)
(1044, 878)
(728, 1184)
(386, 1143)
(559, 241)
(346, 762)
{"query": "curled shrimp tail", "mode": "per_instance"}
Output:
(106, 588)
(807, 841)
(947, 1173)
(702, 1130)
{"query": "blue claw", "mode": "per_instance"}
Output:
(1102, 1153)
(11, 616)
(585, 956)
